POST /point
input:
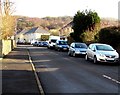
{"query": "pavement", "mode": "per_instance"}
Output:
(17, 75)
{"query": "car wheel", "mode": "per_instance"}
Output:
(48, 47)
(86, 57)
(73, 54)
(55, 49)
(95, 60)
(69, 53)
(58, 49)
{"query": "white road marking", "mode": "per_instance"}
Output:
(36, 76)
(114, 80)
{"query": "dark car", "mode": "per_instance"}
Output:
(44, 44)
(61, 45)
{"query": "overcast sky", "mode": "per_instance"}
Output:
(43, 8)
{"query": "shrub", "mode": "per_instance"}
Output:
(110, 35)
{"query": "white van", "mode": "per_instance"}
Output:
(52, 41)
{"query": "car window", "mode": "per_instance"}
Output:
(62, 42)
(53, 40)
(44, 42)
(92, 47)
(80, 45)
(104, 47)
(72, 45)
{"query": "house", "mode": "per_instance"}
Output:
(66, 30)
(20, 36)
(36, 33)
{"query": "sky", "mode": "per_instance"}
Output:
(55, 8)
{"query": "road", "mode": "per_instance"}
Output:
(60, 73)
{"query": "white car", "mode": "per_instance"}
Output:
(102, 53)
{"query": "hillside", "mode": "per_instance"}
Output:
(106, 22)
(55, 23)
(47, 22)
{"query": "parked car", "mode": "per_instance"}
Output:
(35, 43)
(102, 53)
(39, 43)
(61, 45)
(51, 43)
(44, 43)
(77, 48)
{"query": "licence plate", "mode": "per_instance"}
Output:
(83, 53)
(65, 48)
(111, 59)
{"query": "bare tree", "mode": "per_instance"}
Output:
(8, 21)
(0, 19)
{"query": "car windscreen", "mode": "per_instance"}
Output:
(104, 48)
(62, 42)
(80, 45)
(45, 43)
(53, 40)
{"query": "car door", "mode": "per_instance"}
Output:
(56, 44)
(92, 52)
(71, 49)
(89, 51)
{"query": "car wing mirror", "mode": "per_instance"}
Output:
(94, 50)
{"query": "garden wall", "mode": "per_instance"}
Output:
(6, 46)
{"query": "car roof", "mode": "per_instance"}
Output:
(61, 40)
(99, 44)
(78, 43)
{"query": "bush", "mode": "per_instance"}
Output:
(110, 35)
(82, 22)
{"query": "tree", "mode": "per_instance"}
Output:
(84, 21)
(109, 35)
(8, 21)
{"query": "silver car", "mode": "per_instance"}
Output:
(77, 48)
(102, 53)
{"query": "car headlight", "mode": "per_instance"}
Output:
(101, 55)
(60, 46)
(67, 46)
(117, 56)
(77, 50)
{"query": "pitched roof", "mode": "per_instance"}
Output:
(32, 30)
(22, 32)
(42, 31)
(37, 30)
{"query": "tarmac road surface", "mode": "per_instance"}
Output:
(60, 73)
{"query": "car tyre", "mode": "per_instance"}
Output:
(86, 57)
(73, 54)
(69, 53)
(95, 60)
(58, 49)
